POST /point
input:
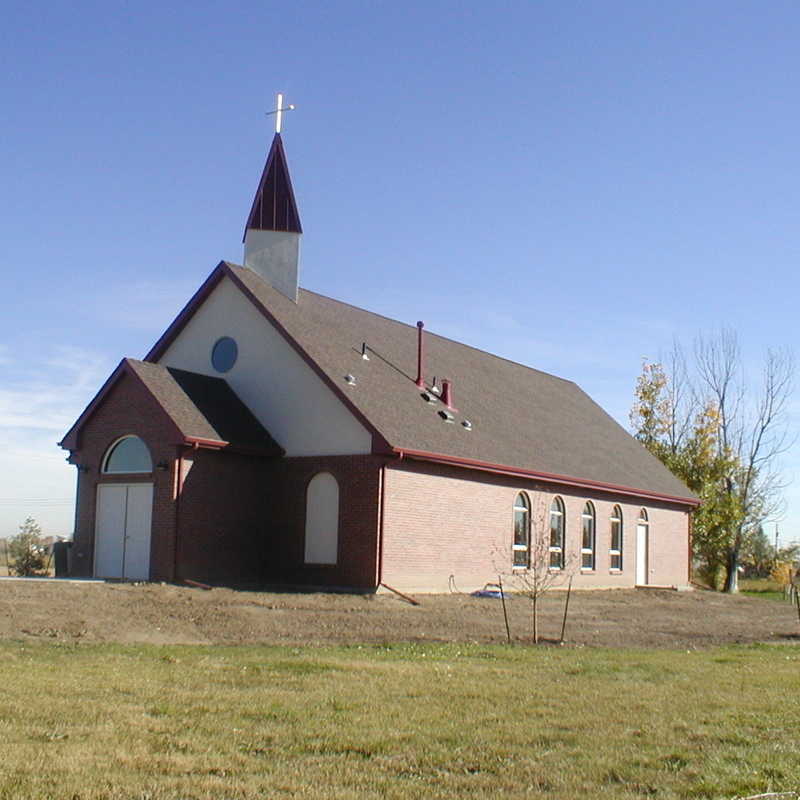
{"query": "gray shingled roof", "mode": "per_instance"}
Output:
(521, 418)
(203, 407)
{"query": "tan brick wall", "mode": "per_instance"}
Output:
(442, 521)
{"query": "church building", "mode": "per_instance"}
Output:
(274, 436)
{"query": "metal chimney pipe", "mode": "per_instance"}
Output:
(447, 394)
(420, 357)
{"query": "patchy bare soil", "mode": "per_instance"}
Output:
(153, 613)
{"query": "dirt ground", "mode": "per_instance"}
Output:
(157, 613)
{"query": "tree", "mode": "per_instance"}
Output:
(752, 427)
(722, 438)
(27, 550)
(758, 555)
(539, 576)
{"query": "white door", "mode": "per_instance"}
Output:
(109, 530)
(641, 554)
(122, 531)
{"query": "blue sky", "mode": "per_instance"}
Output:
(567, 184)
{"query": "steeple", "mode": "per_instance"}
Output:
(272, 234)
(274, 208)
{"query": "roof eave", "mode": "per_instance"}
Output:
(185, 314)
(71, 440)
(230, 447)
(566, 480)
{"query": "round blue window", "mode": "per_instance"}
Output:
(223, 354)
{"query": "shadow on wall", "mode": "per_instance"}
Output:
(224, 518)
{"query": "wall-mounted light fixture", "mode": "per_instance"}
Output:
(162, 466)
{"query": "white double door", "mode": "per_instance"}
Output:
(122, 531)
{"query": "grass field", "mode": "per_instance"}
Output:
(400, 721)
(765, 588)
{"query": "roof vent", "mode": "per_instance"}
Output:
(429, 398)
(420, 381)
(350, 380)
(446, 415)
(447, 394)
(466, 424)
(364, 351)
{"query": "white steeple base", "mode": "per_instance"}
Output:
(275, 256)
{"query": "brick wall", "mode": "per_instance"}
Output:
(127, 409)
(239, 519)
(441, 521)
(359, 490)
(223, 517)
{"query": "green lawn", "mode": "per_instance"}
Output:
(764, 588)
(401, 721)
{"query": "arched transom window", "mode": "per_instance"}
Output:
(557, 533)
(615, 548)
(127, 455)
(587, 537)
(522, 531)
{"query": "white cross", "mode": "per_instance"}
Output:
(279, 112)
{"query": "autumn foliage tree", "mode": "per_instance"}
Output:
(722, 438)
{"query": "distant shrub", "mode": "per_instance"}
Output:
(782, 573)
(27, 551)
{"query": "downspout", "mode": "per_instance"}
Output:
(399, 456)
(690, 514)
(78, 496)
(380, 527)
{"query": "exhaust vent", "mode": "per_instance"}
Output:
(447, 394)
(420, 357)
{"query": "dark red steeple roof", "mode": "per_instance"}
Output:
(274, 208)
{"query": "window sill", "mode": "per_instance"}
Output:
(587, 569)
(615, 572)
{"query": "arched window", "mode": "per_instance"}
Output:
(128, 454)
(522, 531)
(557, 533)
(615, 550)
(643, 516)
(322, 519)
(587, 537)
